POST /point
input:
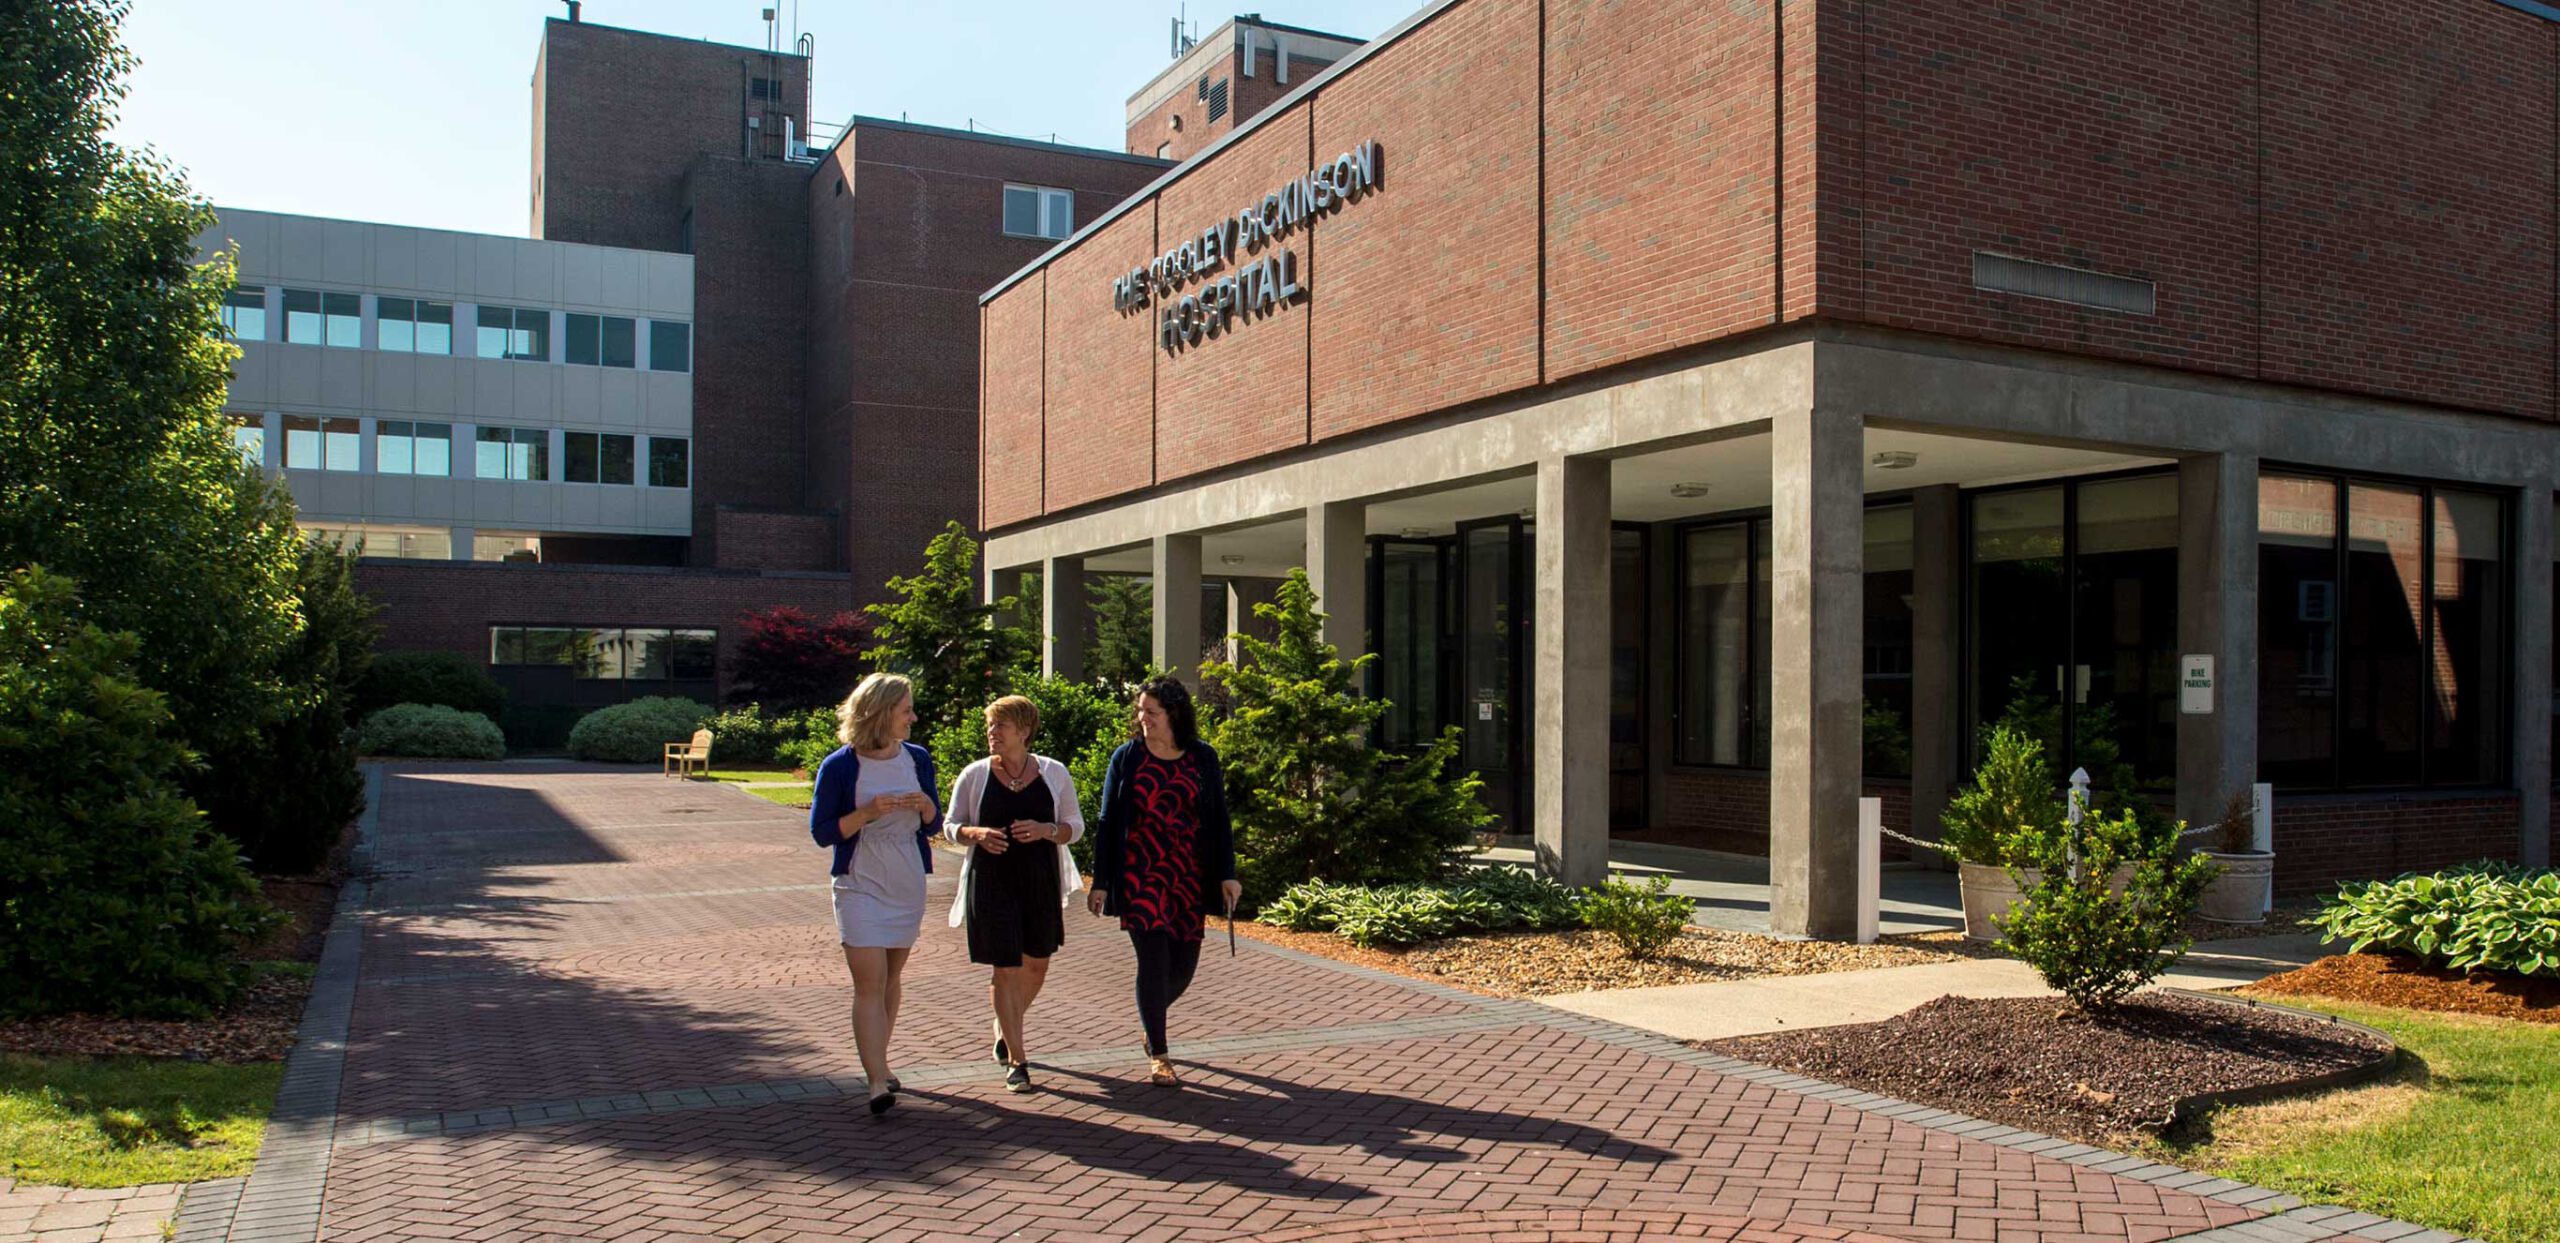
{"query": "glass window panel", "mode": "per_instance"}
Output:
(432, 449)
(493, 325)
(551, 645)
(1886, 690)
(394, 326)
(435, 328)
(529, 457)
(532, 340)
(670, 462)
(392, 449)
(1714, 633)
(615, 459)
(1486, 665)
(244, 313)
(696, 655)
(301, 442)
(342, 442)
(2124, 656)
(647, 655)
(2297, 631)
(670, 346)
(578, 457)
(506, 645)
(580, 344)
(249, 435)
(1409, 643)
(2020, 602)
(1059, 213)
(489, 460)
(2381, 649)
(301, 317)
(2467, 597)
(596, 654)
(1022, 211)
(344, 313)
(620, 347)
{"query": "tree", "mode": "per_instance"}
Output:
(1311, 798)
(788, 660)
(1123, 628)
(114, 895)
(954, 648)
(116, 464)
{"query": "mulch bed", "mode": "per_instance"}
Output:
(2413, 984)
(1536, 964)
(2031, 1062)
(260, 1025)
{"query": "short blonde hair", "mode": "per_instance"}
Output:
(1015, 710)
(862, 721)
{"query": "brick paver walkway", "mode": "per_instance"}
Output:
(600, 1004)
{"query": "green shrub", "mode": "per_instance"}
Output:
(2093, 940)
(2013, 788)
(745, 735)
(2483, 917)
(1527, 899)
(1491, 899)
(636, 732)
(1403, 915)
(1644, 918)
(431, 731)
(114, 895)
(817, 741)
(448, 678)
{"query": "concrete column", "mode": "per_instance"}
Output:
(2218, 617)
(2533, 673)
(462, 537)
(1064, 610)
(1937, 654)
(1338, 568)
(1242, 595)
(1176, 593)
(1569, 720)
(1817, 625)
(1000, 583)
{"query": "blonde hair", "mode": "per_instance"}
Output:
(862, 721)
(1015, 710)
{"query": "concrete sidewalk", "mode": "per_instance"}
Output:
(1786, 1003)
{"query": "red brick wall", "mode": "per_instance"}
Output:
(1099, 368)
(1243, 394)
(1661, 150)
(750, 442)
(1246, 98)
(450, 605)
(752, 539)
(1010, 383)
(1401, 329)
(2323, 840)
(2409, 190)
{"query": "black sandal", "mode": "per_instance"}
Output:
(1017, 1078)
(880, 1104)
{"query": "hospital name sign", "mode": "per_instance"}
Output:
(1259, 283)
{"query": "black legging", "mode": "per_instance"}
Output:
(1165, 967)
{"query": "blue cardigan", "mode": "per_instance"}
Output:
(1217, 853)
(833, 800)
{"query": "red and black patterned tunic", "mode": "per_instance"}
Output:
(1160, 879)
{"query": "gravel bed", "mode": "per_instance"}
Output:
(2412, 984)
(2032, 1062)
(1537, 964)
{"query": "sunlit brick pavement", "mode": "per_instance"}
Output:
(599, 1004)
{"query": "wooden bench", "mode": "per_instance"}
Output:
(684, 757)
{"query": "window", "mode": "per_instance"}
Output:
(1886, 691)
(624, 654)
(764, 88)
(314, 443)
(403, 448)
(244, 313)
(249, 435)
(517, 453)
(514, 332)
(407, 543)
(412, 326)
(599, 340)
(331, 319)
(670, 346)
(1038, 211)
(2382, 634)
(1722, 670)
(595, 457)
(486, 547)
(670, 462)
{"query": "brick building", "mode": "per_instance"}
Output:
(1718, 413)
(732, 368)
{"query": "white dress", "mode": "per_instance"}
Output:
(880, 898)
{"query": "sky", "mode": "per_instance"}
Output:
(419, 113)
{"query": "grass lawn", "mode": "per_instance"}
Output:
(744, 774)
(2461, 1141)
(788, 796)
(118, 1122)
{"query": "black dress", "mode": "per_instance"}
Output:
(1014, 911)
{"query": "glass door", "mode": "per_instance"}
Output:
(1409, 620)
(1627, 625)
(1493, 635)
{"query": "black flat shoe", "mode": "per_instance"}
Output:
(1001, 1051)
(880, 1104)
(1017, 1078)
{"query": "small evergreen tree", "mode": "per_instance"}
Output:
(1123, 629)
(2095, 938)
(789, 661)
(960, 658)
(1311, 798)
(114, 895)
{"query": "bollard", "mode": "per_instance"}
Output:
(1870, 868)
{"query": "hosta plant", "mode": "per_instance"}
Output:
(2482, 917)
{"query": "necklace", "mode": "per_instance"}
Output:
(1016, 781)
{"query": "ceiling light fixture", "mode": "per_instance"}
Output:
(1895, 459)
(1230, 559)
(1689, 491)
(1414, 533)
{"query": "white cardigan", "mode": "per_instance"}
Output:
(963, 810)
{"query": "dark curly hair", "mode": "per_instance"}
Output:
(1175, 698)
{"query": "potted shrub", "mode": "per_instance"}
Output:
(1992, 824)
(2243, 887)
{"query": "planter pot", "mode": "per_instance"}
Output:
(2242, 891)
(1988, 894)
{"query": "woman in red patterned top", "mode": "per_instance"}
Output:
(1164, 854)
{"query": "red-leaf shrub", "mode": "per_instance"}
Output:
(788, 659)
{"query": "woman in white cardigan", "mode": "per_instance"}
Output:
(1016, 811)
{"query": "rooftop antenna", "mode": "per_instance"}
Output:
(772, 32)
(573, 11)
(1182, 40)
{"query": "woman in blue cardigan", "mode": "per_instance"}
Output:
(874, 805)
(1164, 854)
